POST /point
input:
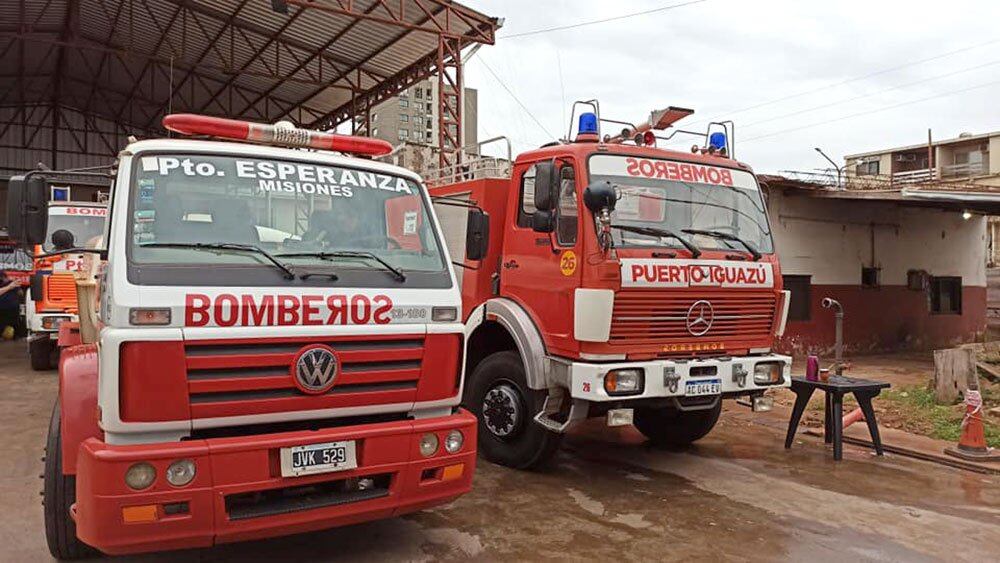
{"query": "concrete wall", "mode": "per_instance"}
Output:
(831, 240)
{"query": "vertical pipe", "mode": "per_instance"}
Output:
(930, 156)
(839, 344)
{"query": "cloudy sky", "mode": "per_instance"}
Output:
(846, 76)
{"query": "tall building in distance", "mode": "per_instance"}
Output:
(413, 116)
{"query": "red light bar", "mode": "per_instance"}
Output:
(191, 124)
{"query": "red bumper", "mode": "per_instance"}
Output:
(199, 514)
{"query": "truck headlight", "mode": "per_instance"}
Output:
(140, 476)
(52, 323)
(428, 445)
(624, 381)
(768, 373)
(453, 441)
(181, 472)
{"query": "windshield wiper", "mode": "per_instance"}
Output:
(726, 236)
(289, 274)
(658, 232)
(327, 254)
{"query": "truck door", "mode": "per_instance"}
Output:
(540, 270)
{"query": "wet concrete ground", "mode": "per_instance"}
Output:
(737, 495)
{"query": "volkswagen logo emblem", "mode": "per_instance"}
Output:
(699, 318)
(314, 369)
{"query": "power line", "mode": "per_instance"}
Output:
(854, 79)
(862, 96)
(516, 99)
(603, 20)
(877, 110)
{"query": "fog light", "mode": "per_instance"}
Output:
(624, 381)
(620, 417)
(181, 472)
(762, 403)
(768, 373)
(444, 314)
(453, 441)
(428, 445)
(140, 476)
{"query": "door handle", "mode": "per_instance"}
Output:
(510, 265)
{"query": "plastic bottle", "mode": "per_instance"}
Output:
(812, 368)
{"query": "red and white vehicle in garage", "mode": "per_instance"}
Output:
(622, 280)
(280, 346)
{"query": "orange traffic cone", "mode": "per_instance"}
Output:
(972, 443)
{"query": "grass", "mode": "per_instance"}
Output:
(914, 409)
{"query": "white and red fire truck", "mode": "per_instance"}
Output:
(280, 350)
(622, 280)
(51, 297)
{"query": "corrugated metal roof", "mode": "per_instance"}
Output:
(130, 60)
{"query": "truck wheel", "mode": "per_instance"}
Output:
(44, 354)
(505, 406)
(60, 494)
(673, 427)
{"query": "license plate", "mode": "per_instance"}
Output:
(318, 458)
(703, 387)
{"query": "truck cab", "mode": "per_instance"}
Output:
(279, 346)
(51, 297)
(623, 280)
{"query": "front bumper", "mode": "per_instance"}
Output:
(669, 378)
(233, 467)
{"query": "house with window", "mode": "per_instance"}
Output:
(963, 160)
(907, 264)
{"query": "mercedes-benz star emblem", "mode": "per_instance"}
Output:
(315, 369)
(699, 318)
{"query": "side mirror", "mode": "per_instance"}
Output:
(35, 288)
(27, 212)
(477, 235)
(546, 185)
(600, 195)
(543, 221)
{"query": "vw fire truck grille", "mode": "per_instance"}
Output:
(643, 316)
(233, 378)
(60, 289)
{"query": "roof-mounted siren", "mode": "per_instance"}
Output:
(282, 133)
(587, 130)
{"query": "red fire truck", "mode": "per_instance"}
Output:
(622, 280)
(280, 345)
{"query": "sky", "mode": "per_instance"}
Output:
(847, 76)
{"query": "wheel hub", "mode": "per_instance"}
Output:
(502, 410)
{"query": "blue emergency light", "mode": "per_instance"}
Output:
(588, 124)
(717, 140)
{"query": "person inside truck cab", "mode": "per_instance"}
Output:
(330, 229)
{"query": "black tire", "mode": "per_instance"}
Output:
(60, 494)
(44, 354)
(672, 427)
(507, 438)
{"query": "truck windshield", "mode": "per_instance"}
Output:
(680, 196)
(84, 222)
(300, 212)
